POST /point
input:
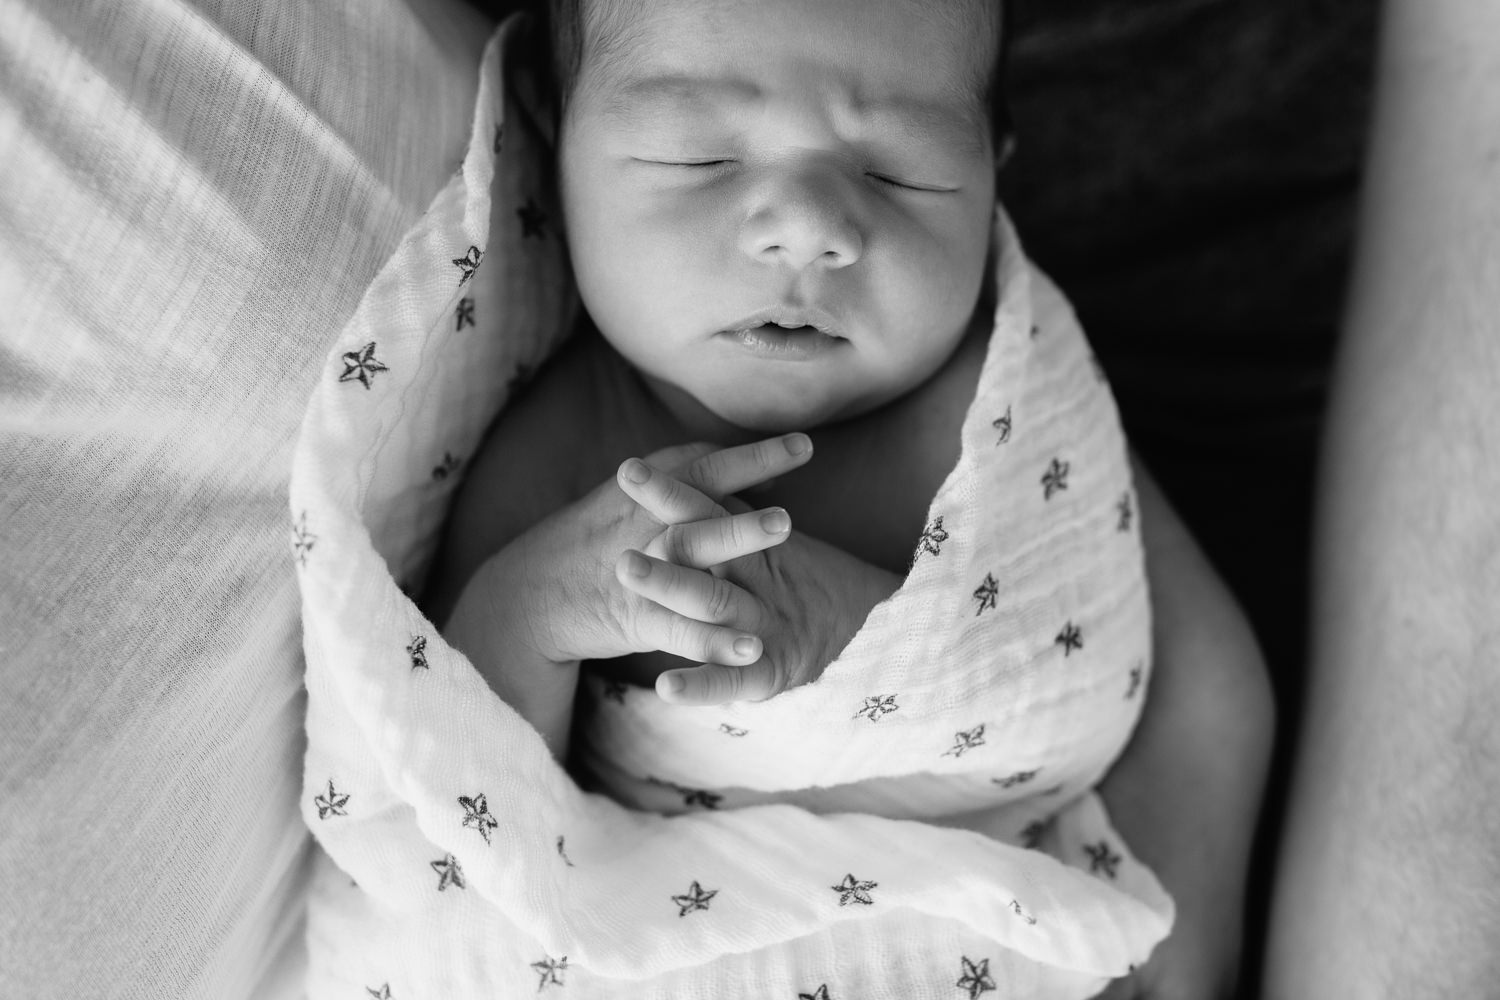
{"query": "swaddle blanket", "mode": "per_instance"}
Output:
(918, 822)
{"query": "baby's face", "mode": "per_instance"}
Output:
(731, 168)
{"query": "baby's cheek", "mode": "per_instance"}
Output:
(939, 285)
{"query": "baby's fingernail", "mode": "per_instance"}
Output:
(797, 444)
(637, 565)
(637, 471)
(746, 645)
(775, 521)
(673, 683)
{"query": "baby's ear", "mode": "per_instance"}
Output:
(529, 75)
(1005, 148)
(1005, 136)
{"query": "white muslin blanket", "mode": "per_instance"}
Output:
(919, 822)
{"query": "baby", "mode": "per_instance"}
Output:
(779, 217)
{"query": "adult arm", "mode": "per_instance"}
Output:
(1187, 791)
(1389, 879)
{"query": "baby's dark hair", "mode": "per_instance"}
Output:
(564, 25)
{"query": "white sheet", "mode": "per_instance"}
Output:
(194, 197)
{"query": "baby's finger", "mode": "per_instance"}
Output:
(653, 627)
(707, 543)
(675, 457)
(689, 592)
(731, 470)
(662, 495)
(719, 683)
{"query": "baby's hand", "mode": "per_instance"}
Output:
(802, 598)
(560, 575)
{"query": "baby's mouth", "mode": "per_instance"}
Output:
(784, 342)
(773, 328)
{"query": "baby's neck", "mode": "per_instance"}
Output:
(689, 420)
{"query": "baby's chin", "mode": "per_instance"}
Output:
(748, 410)
(758, 418)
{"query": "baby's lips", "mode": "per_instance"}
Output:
(789, 317)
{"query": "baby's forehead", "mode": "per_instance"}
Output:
(911, 48)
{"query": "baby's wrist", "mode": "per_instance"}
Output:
(522, 609)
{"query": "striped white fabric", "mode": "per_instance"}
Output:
(194, 197)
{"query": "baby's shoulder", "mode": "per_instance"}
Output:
(545, 449)
(526, 465)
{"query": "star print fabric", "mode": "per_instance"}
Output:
(990, 692)
(807, 831)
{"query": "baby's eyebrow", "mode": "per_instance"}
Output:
(958, 129)
(668, 99)
(664, 99)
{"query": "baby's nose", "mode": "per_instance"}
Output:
(802, 222)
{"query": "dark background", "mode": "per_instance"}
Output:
(1187, 171)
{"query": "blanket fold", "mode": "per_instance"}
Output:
(919, 822)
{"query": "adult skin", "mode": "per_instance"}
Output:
(1389, 881)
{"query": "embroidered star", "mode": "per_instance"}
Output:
(463, 313)
(1002, 424)
(1137, 675)
(563, 853)
(1070, 638)
(691, 796)
(1123, 506)
(876, 706)
(361, 365)
(417, 650)
(986, 593)
(450, 463)
(477, 815)
(695, 899)
(1019, 778)
(331, 803)
(302, 539)
(1101, 858)
(468, 263)
(965, 740)
(1020, 911)
(614, 691)
(384, 993)
(853, 888)
(976, 978)
(499, 134)
(933, 537)
(1031, 836)
(1055, 478)
(821, 993)
(551, 970)
(532, 218)
(449, 872)
(729, 730)
(700, 797)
